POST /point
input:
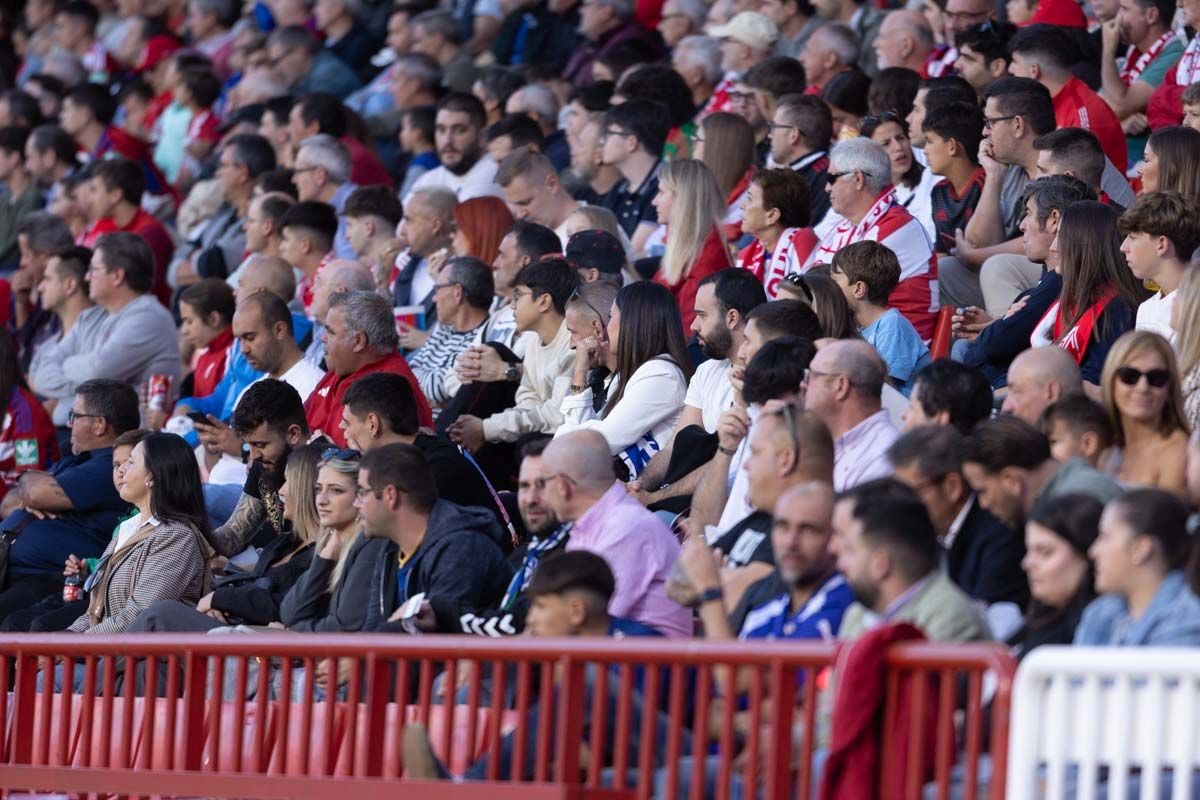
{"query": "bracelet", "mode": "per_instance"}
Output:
(576, 388)
(729, 451)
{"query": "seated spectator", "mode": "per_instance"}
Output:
(41, 236)
(605, 520)
(1146, 597)
(308, 230)
(335, 275)
(1037, 378)
(1007, 462)
(344, 35)
(983, 54)
(982, 555)
(775, 212)
(1162, 230)
(451, 553)
(800, 135)
(887, 550)
(23, 195)
(1077, 427)
(360, 338)
(634, 134)
(636, 406)
(1172, 161)
(945, 392)
(303, 65)
(76, 504)
(1058, 535)
(261, 226)
(952, 136)
(867, 273)
(1077, 152)
(162, 553)
(128, 336)
(417, 141)
(465, 169)
(372, 214)
(264, 329)
(847, 92)
(912, 181)
(533, 191)
(1184, 323)
(510, 133)
(1150, 432)
(197, 90)
(843, 387)
(206, 311)
(437, 34)
(322, 175)
(86, 116)
(863, 197)
(28, 440)
(817, 290)
(726, 146)
(62, 297)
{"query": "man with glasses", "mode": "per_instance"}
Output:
(800, 132)
(958, 16)
(634, 135)
(322, 175)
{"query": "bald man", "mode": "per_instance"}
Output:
(582, 489)
(844, 388)
(904, 40)
(1038, 377)
(267, 274)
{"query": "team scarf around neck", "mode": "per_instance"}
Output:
(538, 548)
(1134, 68)
(1075, 341)
(847, 232)
(1187, 71)
(784, 255)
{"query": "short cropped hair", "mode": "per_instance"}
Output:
(576, 571)
(1006, 441)
(960, 391)
(115, 401)
(123, 174)
(475, 278)
(404, 467)
(894, 518)
(272, 401)
(387, 395)
(648, 121)
(935, 450)
(1081, 415)
(552, 276)
(962, 122)
(131, 253)
(317, 217)
(777, 369)
(1077, 149)
(871, 263)
(374, 201)
(736, 290)
(786, 318)
(1024, 98)
(786, 190)
(535, 241)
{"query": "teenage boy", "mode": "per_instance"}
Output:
(1077, 427)
(867, 272)
(1162, 230)
(1191, 106)
(952, 135)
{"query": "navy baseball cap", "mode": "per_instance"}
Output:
(595, 249)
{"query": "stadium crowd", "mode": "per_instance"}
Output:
(743, 320)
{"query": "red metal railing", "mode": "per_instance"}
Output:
(573, 718)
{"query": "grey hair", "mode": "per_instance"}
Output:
(329, 154)
(539, 100)
(437, 22)
(294, 37)
(45, 232)
(863, 155)
(421, 68)
(475, 278)
(439, 200)
(221, 9)
(622, 8)
(842, 40)
(701, 51)
(694, 10)
(371, 315)
(862, 366)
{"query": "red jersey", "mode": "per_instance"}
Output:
(325, 404)
(204, 127)
(211, 364)
(713, 257)
(1077, 106)
(27, 438)
(150, 229)
(365, 167)
(1166, 104)
(791, 251)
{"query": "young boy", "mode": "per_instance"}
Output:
(1191, 106)
(867, 272)
(198, 89)
(416, 139)
(1077, 427)
(952, 133)
(1162, 230)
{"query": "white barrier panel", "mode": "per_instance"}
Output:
(1106, 722)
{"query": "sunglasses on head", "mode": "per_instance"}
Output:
(1130, 376)
(340, 453)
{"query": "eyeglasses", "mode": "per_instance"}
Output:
(1131, 376)
(517, 294)
(988, 122)
(341, 454)
(774, 126)
(299, 170)
(789, 418)
(834, 177)
(798, 280)
(362, 491)
(740, 97)
(810, 373)
(615, 132)
(72, 416)
(965, 16)
(439, 286)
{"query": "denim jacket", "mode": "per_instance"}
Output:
(1172, 619)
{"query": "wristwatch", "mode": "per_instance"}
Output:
(512, 374)
(709, 595)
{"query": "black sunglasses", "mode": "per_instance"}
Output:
(797, 280)
(1130, 376)
(341, 454)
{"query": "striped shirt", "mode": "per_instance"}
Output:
(431, 360)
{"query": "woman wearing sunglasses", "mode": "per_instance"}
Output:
(1141, 390)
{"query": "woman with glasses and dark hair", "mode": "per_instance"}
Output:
(912, 181)
(635, 408)
(1142, 393)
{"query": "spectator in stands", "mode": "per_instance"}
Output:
(691, 205)
(635, 408)
(75, 31)
(206, 313)
(512, 132)
(372, 214)
(843, 387)
(322, 175)
(595, 254)
(832, 49)
(1077, 427)
(1187, 345)
(23, 195)
(1172, 162)
(581, 489)
(323, 113)
(868, 273)
(344, 36)
(820, 292)
(360, 338)
(1007, 462)
(746, 41)
(863, 196)
(451, 552)
(40, 236)
(129, 337)
(50, 155)
(697, 59)
(634, 134)
(539, 102)
(63, 294)
(587, 162)
(27, 435)
(887, 550)
(931, 93)
(261, 227)
(1140, 557)
(533, 191)
(463, 297)
(436, 34)
(303, 65)
(1151, 433)
(265, 332)
(1058, 535)
(308, 230)
(848, 94)
(1162, 230)
(426, 228)
(983, 556)
(726, 146)
(76, 504)
(904, 40)
(952, 135)
(1190, 103)
(1037, 378)
(1044, 53)
(983, 53)
(464, 168)
(417, 140)
(493, 86)
(1077, 152)
(775, 212)
(86, 116)
(946, 392)
(605, 27)
(894, 89)
(681, 19)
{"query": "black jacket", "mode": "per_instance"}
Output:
(254, 599)
(458, 565)
(549, 38)
(985, 559)
(310, 606)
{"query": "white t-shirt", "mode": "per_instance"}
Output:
(303, 377)
(710, 391)
(1155, 315)
(478, 181)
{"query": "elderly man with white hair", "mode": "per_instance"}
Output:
(698, 60)
(538, 102)
(860, 190)
(681, 19)
(905, 40)
(322, 172)
(832, 48)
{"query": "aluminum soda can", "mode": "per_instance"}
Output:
(158, 392)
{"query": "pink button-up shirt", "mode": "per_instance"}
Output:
(640, 550)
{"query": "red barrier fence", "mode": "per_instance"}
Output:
(244, 716)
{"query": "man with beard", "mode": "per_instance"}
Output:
(723, 303)
(458, 136)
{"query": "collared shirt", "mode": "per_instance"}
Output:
(893, 608)
(956, 525)
(129, 527)
(633, 207)
(860, 454)
(640, 550)
(819, 618)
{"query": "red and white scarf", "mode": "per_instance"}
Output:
(1134, 67)
(1075, 341)
(786, 258)
(847, 232)
(1187, 71)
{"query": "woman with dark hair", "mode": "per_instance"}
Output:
(846, 93)
(162, 552)
(661, 84)
(911, 180)
(1171, 162)
(894, 89)
(820, 292)
(643, 351)
(1058, 534)
(725, 144)
(1099, 295)
(479, 225)
(1140, 556)
(27, 437)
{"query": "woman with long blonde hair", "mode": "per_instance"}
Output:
(689, 202)
(1141, 390)
(726, 146)
(1185, 321)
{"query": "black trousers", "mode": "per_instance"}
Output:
(25, 591)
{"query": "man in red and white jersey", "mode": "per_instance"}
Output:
(860, 189)
(776, 209)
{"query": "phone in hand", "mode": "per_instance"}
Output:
(199, 417)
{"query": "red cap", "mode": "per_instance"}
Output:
(157, 48)
(1065, 13)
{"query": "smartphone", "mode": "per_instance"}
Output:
(199, 417)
